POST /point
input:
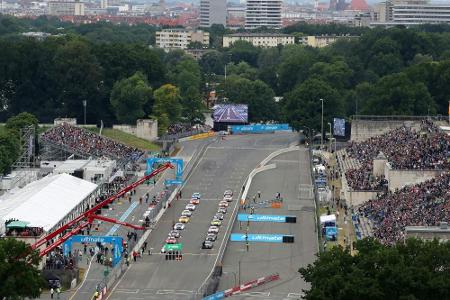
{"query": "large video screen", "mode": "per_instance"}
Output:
(231, 113)
(338, 127)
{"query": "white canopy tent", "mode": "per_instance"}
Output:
(327, 218)
(45, 202)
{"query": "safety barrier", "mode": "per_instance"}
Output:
(243, 287)
(202, 135)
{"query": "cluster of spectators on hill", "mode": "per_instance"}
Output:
(424, 204)
(82, 140)
(178, 128)
(404, 148)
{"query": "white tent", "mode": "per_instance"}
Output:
(327, 218)
(45, 202)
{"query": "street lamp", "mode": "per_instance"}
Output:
(321, 127)
(84, 110)
(331, 135)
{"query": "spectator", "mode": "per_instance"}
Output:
(424, 204)
(82, 140)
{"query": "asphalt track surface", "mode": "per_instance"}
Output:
(224, 165)
(291, 177)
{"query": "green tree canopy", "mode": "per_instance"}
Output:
(20, 121)
(414, 270)
(302, 106)
(167, 106)
(258, 95)
(9, 150)
(19, 274)
(397, 95)
(129, 96)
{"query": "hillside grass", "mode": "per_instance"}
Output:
(126, 138)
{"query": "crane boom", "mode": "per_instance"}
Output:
(89, 213)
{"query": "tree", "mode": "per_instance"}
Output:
(258, 95)
(244, 51)
(302, 107)
(195, 45)
(212, 62)
(186, 76)
(129, 96)
(9, 150)
(415, 270)
(397, 95)
(242, 69)
(19, 273)
(167, 107)
(20, 121)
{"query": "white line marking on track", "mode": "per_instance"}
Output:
(164, 292)
(127, 291)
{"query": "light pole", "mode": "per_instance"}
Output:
(331, 135)
(321, 127)
(84, 110)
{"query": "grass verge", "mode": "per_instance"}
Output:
(126, 138)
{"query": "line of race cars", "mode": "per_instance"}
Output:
(216, 221)
(186, 214)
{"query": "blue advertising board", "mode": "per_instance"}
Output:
(116, 241)
(261, 218)
(258, 128)
(262, 238)
(330, 232)
(179, 168)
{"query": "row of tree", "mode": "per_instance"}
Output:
(415, 269)
(385, 71)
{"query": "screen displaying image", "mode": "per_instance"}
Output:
(231, 113)
(338, 127)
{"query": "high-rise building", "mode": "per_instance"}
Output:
(260, 13)
(411, 12)
(213, 12)
(66, 8)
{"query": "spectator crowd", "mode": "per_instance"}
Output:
(84, 141)
(424, 204)
(404, 148)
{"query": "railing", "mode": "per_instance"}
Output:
(399, 118)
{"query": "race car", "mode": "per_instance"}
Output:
(174, 233)
(212, 237)
(228, 198)
(213, 229)
(196, 196)
(222, 210)
(228, 193)
(178, 226)
(216, 222)
(223, 204)
(194, 201)
(218, 216)
(190, 207)
(183, 219)
(186, 213)
(207, 245)
(171, 240)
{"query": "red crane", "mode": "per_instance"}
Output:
(87, 217)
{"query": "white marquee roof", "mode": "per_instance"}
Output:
(45, 202)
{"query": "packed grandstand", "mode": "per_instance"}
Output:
(424, 204)
(85, 141)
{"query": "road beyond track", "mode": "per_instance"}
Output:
(225, 165)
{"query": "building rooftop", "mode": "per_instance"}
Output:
(262, 34)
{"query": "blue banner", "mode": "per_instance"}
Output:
(179, 168)
(261, 218)
(263, 238)
(258, 128)
(218, 295)
(330, 232)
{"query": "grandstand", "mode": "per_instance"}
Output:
(408, 187)
(61, 141)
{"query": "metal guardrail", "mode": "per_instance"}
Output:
(181, 135)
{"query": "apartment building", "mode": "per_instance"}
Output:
(179, 38)
(264, 40)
